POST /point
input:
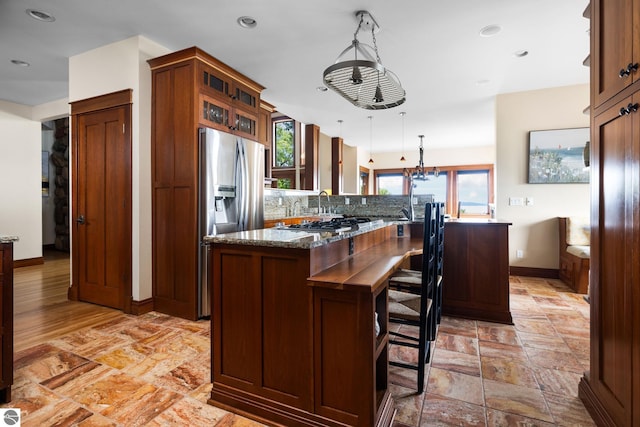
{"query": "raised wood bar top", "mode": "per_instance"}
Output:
(369, 269)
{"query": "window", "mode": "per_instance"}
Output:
(473, 192)
(284, 144)
(434, 185)
(468, 188)
(389, 183)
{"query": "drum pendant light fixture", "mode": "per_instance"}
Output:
(363, 80)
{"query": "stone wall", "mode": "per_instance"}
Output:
(60, 159)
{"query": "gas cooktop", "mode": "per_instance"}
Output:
(334, 225)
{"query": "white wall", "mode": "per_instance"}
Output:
(324, 162)
(350, 170)
(434, 157)
(535, 228)
(20, 179)
(112, 68)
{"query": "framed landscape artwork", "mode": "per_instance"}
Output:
(559, 156)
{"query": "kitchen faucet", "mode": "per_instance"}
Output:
(326, 194)
(411, 208)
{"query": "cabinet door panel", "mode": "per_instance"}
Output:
(287, 330)
(214, 113)
(612, 270)
(237, 320)
(611, 49)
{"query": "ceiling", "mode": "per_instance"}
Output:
(450, 73)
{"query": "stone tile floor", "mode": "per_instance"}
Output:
(153, 370)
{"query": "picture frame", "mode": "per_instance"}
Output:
(559, 156)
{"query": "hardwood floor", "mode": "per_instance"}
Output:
(41, 308)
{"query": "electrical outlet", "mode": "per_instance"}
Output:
(364, 200)
(415, 201)
(279, 201)
(519, 253)
(346, 200)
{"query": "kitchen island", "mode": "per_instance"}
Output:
(294, 337)
(476, 270)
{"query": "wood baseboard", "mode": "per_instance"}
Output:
(546, 273)
(141, 307)
(593, 404)
(27, 262)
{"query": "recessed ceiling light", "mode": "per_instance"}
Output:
(247, 22)
(482, 82)
(20, 63)
(40, 15)
(490, 30)
(520, 53)
(321, 88)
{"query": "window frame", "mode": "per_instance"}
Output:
(451, 204)
(274, 124)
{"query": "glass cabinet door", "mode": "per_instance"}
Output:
(214, 113)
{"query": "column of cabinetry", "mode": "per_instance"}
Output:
(611, 388)
(190, 89)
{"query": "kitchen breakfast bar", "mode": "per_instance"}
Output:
(294, 319)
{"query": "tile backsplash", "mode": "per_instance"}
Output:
(287, 203)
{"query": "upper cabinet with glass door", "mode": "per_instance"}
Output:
(235, 105)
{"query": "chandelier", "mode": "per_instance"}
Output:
(364, 82)
(419, 172)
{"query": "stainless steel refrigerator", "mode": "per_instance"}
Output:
(230, 199)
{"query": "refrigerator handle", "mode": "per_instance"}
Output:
(241, 186)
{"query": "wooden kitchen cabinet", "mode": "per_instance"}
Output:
(265, 126)
(610, 389)
(615, 47)
(6, 317)
(476, 270)
(190, 89)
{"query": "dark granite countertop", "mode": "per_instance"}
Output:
(287, 238)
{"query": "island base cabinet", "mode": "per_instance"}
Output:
(286, 352)
(476, 271)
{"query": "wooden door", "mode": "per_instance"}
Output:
(101, 256)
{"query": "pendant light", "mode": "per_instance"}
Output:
(402, 114)
(364, 82)
(370, 139)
